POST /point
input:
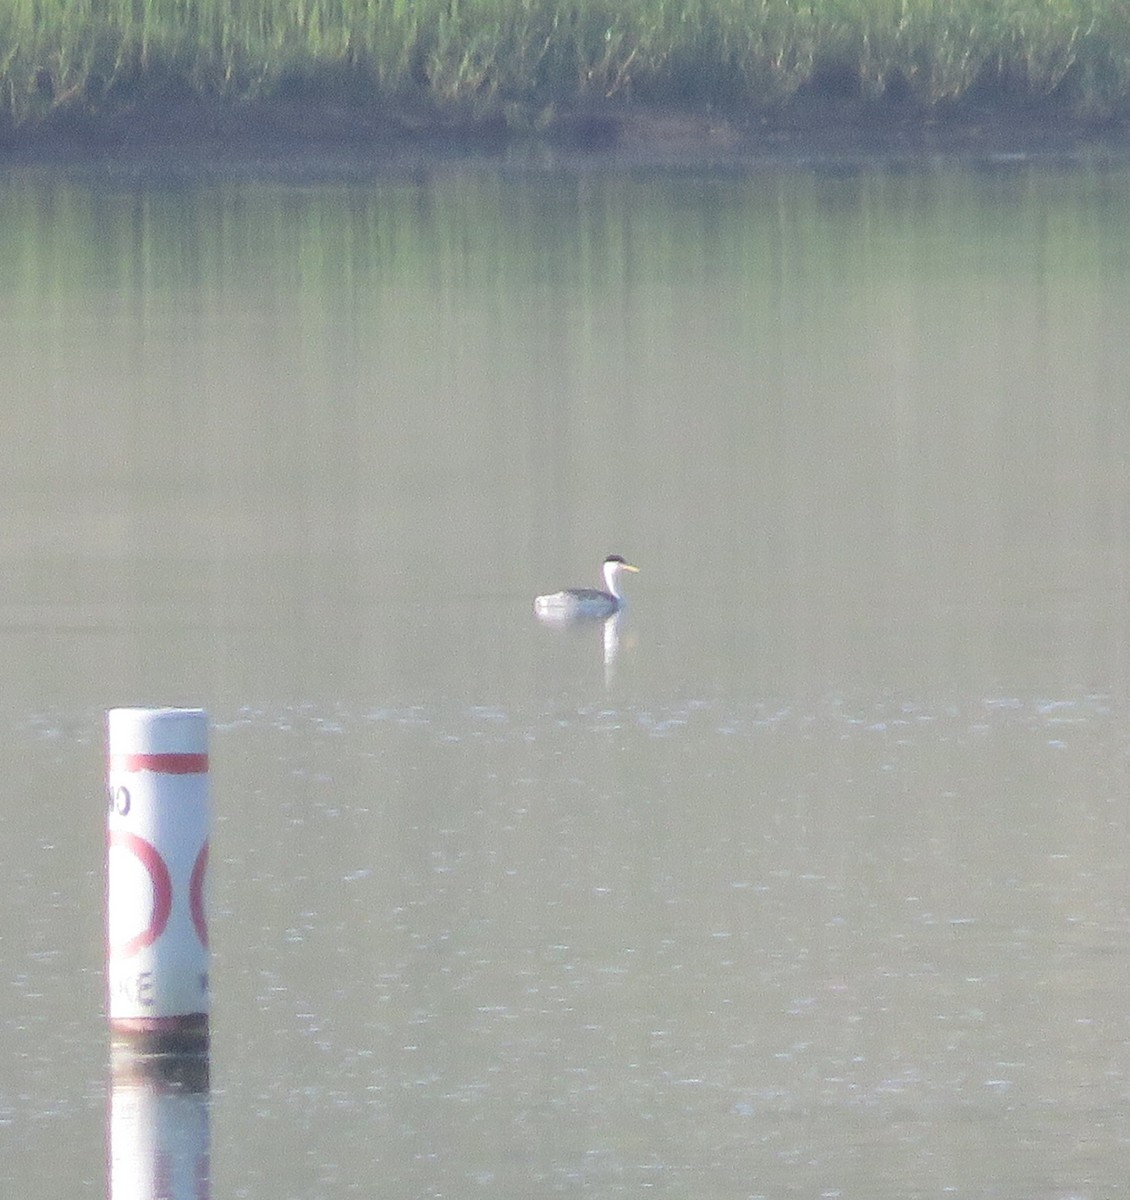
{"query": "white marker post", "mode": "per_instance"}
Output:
(157, 863)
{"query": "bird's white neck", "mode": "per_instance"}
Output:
(612, 579)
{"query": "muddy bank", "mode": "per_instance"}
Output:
(192, 131)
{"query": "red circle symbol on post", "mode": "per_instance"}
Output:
(162, 885)
(196, 896)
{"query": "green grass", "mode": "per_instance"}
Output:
(526, 55)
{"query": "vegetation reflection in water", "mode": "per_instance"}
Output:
(467, 230)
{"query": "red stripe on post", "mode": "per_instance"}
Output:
(162, 764)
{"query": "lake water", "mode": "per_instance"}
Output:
(810, 881)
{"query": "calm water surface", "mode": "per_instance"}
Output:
(810, 882)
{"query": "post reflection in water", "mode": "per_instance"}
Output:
(159, 1127)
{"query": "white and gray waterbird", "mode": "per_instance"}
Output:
(588, 602)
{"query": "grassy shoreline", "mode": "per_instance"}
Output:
(592, 72)
(266, 131)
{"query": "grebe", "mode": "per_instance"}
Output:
(588, 602)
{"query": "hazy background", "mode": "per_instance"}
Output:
(819, 888)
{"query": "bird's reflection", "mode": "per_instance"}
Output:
(613, 629)
(159, 1127)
